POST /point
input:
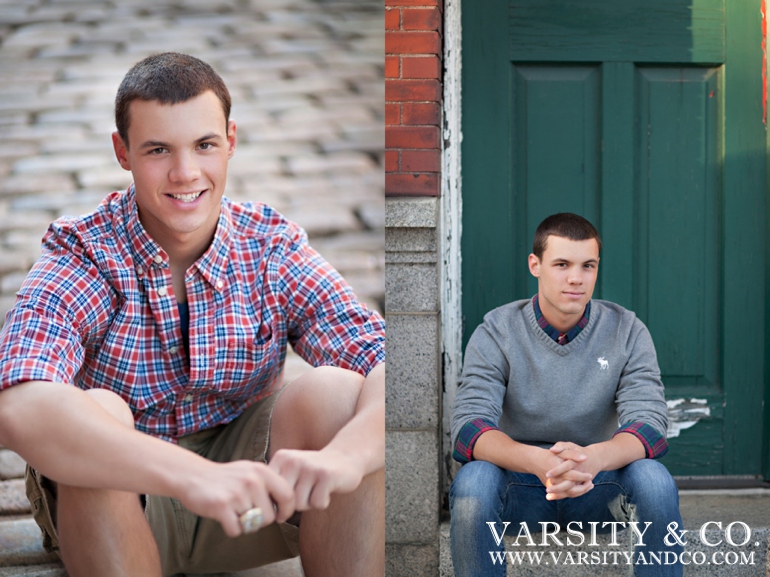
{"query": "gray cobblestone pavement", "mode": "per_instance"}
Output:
(307, 83)
(306, 77)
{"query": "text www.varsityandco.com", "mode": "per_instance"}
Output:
(620, 558)
(576, 537)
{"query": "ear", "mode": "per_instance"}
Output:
(121, 151)
(232, 139)
(534, 265)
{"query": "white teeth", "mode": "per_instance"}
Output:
(186, 197)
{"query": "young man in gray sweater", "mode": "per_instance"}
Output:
(558, 418)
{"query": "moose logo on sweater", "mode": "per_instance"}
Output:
(603, 363)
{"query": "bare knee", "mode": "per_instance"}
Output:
(344, 383)
(113, 404)
(314, 408)
(327, 394)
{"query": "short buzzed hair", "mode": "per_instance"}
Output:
(169, 78)
(565, 225)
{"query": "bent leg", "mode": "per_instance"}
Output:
(646, 493)
(103, 532)
(348, 537)
(483, 493)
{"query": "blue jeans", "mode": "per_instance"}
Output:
(482, 492)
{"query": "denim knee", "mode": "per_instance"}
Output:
(649, 483)
(475, 492)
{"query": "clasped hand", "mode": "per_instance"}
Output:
(315, 475)
(293, 481)
(567, 471)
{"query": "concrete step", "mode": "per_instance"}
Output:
(13, 498)
(21, 544)
(50, 570)
(11, 465)
(751, 506)
(22, 554)
(291, 568)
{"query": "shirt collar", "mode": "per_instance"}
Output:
(570, 335)
(213, 264)
(147, 253)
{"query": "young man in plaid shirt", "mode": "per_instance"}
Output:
(170, 308)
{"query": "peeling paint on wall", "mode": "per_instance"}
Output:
(684, 413)
(450, 229)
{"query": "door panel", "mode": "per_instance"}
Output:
(556, 115)
(677, 219)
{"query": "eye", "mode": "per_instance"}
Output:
(206, 145)
(157, 151)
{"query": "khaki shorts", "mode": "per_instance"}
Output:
(187, 542)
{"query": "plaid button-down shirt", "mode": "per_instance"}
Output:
(98, 310)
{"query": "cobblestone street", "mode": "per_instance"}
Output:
(306, 78)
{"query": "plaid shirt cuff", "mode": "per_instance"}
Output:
(655, 445)
(467, 438)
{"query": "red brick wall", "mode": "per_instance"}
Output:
(413, 71)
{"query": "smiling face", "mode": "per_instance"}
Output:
(178, 157)
(566, 276)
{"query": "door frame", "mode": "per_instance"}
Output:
(450, 226)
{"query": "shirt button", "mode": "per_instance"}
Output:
(187, 398)
(162, 291)
(139, 271)
(220, 284)
(173, 350)
(158, 259)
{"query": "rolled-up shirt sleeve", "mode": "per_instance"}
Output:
(466, 440)
(478, 404)
(327, 325)
(58, 306)
(655, 444)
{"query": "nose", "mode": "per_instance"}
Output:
(575, 276)
(184, 168)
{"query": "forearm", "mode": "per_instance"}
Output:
(498, 448)
(66, 435)
(616, 453)
(363, 437)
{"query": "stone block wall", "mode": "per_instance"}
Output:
(413, 401)
(413, 95)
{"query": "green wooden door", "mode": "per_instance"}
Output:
(647, 118)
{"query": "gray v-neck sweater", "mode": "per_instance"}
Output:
(540, 392)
